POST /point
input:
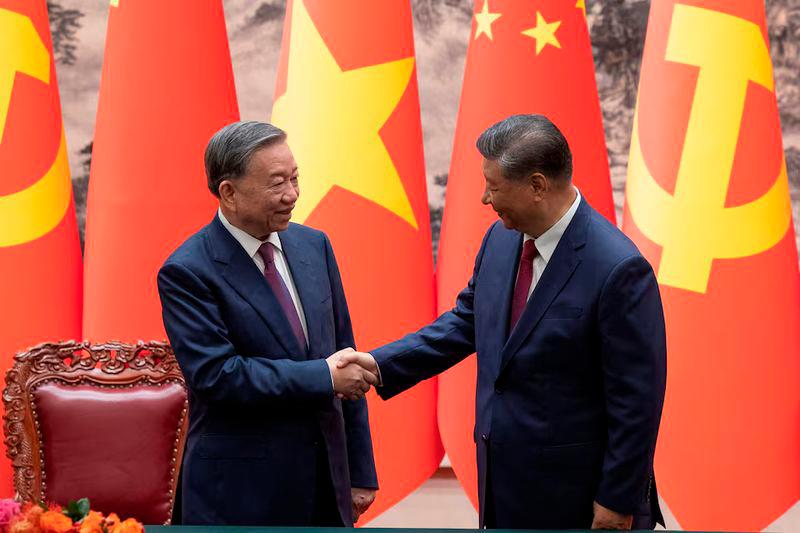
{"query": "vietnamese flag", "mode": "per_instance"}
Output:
(347, 96)
(40, 255)
(523, 57)
(166, 88)
(707, 202)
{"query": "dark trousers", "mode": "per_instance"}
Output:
(489, 516)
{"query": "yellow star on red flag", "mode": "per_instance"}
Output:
(334, 118)
(483, 21)
(544, 32)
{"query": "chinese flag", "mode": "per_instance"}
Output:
(707, 202)
(167, 86)
(523, 57)
(40, 255)
(347, 96)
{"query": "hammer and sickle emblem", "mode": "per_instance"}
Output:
(693, 226)
(29, 214)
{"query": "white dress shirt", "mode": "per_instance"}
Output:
(251, 246)
(547, 241)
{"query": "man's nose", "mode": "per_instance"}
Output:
(486, 199)
(291, 195)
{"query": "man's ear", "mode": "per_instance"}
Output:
(227, 193)
(538, 183)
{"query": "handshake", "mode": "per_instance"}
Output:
(353, 373)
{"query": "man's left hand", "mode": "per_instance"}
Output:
(362, 499)
(605, 518)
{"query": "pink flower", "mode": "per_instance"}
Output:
(8, 510)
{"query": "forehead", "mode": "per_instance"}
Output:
(276, 158)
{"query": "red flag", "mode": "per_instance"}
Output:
(347, 96)
(167, 86)
(523, 57)
(40, 256)
(707, 202)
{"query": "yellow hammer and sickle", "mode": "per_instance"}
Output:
(693, 226)
(33, 212)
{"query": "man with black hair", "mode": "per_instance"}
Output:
(566, 319)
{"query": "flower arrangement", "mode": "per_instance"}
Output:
(76, 517)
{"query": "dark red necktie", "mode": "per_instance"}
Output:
(524, 280)
(281, 292)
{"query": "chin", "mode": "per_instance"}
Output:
(507, 223)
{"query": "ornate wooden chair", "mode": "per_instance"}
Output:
(104, 421)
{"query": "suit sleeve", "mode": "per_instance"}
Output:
(634, 376)
(434, 348)
(208, 360)
(356, 416)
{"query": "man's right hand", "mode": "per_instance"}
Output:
(362, 359)
(350, 381)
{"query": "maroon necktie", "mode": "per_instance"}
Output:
(281, 292)
(524, 280)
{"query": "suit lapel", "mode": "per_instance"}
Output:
(306, 278)
(559, 270)
(242, 274)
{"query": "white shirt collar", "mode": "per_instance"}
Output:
(547, 241)
(248, 242)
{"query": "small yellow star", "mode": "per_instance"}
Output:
(484, 20)
(115, 3)
(581, 4)
(544, 32)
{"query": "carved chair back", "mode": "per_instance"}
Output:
(103, 421)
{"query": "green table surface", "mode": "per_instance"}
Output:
(237, 529)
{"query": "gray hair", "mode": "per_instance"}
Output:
(229, 151)
(526, 144)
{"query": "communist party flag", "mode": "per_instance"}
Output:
(166, 87)
(40, 255)
(707, 202)
(347, 96)
(523, 57)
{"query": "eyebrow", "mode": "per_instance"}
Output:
(281, 175)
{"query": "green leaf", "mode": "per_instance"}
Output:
(84, 507)
(71, 510)
(77, 510)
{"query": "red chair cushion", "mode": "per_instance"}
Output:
(114, 446)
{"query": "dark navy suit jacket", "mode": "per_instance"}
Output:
(568, 405)
(260, 408)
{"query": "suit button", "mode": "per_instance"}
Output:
(498, 390)
(485, 437)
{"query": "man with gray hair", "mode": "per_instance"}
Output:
(255, 310)
(565, 316)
